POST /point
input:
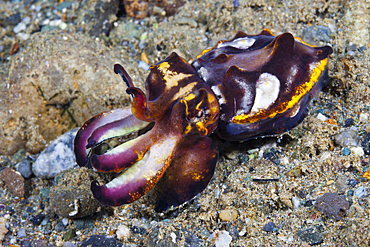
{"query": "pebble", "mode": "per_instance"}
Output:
(317, 33)
(349, 122)
(19, 28)
(3, 229)
(69, 244)
(71, 233)
(295, 172)
(296, 202)
(94, 17)
(346, 151)
(19, 155)
(73, 203)
(21, 233)
(58, 157)
(23, 36)
(363, 118)
(14, 181)
(332, 205)
(123, 232)
(37, 219)
(25, 168)
(353, 182)
(101, 241)
(330, 182)
(143, 65)
(83, 223)
(220, 238)
(360, 192)
(341, 185)
(59, 227)
(321, 117)
(228, 214)
(269, 227)
(26, 20)
(350, 192)
(346, 138)
(65, 221)
(312, 235)
(13, 19)
(357, 151)
(366, 144)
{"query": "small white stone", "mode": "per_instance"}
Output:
(221, 238)
(143, 65)
(321, 117)
(123, 232)
(296, 202)
(23, 36)
(242, 232)
(324, 156)
(363, 117)
(173, 237)
(357, 151)
(55, 23)
(65, 221)
(19, 28)
(63, 25)
(26, 20)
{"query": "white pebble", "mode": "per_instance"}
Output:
(46, 22)
(65, 221)
(357, 151)
(23, 36)
(123, 232)
(360, 192)
(20, 27)
(143, 65)
(173, 237)
(63, 25)
(26, 20)
(221, 238)
(321, 117)
(55, 23)
(296, 202)
(363, 117)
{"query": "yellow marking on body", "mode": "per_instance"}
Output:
(197, 177)
(184, 91)
(189, 97)
(296, 96)
(188, 129)
(171, 78)
(199, 104)
(300, 40)
(205, 51)
(201, 128)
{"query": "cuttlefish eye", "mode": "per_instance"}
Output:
(201, 112)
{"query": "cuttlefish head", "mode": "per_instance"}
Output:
(176, 149)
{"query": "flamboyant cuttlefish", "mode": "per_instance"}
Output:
(246, 87)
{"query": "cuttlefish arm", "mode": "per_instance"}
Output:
(140, 177)
(106, 125)
(191, 169)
